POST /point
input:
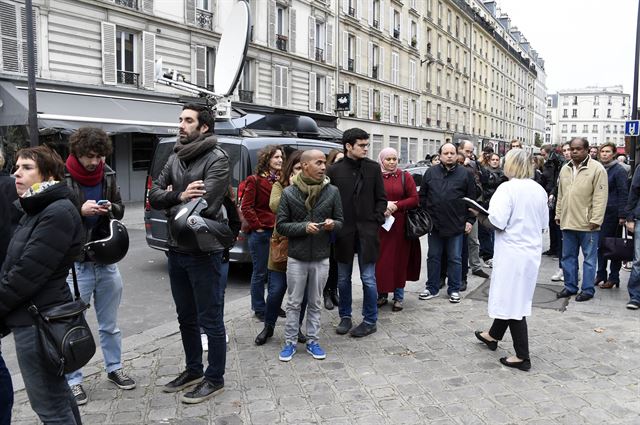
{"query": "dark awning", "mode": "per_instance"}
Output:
(71, 109)
(330, 133)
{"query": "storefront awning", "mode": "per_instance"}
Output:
(70, 109)
(330, 133)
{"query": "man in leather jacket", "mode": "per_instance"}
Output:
(198, 168)
(91, 180)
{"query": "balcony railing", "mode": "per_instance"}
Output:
(351, 65)
(132, 4)
(281, 42)
(376, 24)
(374, 72)
(245, 96)
(319, 54)
(204, 19)
(319, 106)
(352, 11)
(396, 33)
(377, 115)
(129, 78)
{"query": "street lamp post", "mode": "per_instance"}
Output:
(31, 77)
(634, 102)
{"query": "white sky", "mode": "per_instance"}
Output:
(583, 42)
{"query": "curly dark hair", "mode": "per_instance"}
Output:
(90, 139)
(287, 169)
(265, 155)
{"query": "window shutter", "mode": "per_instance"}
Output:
(407, 31)
(329, 102)
(381, 15)
(370, 55)
(345, 6)
(276, 87)
(359, 11)
(381, 64)
(271, 36)
(9, 37)
(345, 50)
(387, 107)
(201, 66)
(190, 12)
(147, 6)
(25, 53)
(358, 57)
(312, 37)
(409, 111)
(359, 101)
(108, 53)
(285, 85)
(292, 30)
(148, 60)
(419, 114)
(390, 21)
(312, 91)
(329, 44)
(371, 104)
(370, 15)
(401, 110)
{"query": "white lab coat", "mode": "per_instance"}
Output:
(519, 208)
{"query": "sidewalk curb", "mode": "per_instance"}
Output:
(233, 310)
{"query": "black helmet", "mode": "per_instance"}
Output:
(192, 232)
(112, 248)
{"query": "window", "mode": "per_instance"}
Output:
(595, 113)
(595, 128)
(412, 75)
(245, 86)
(395, 109)
(126, 57)
(585, 128)
(564, 113)
(413, 39)
(575, 100)
(376, 145)
(282, 28)
(13, 37)
(280, 85)
(396, 24)
(320, 41)
(596, 100)
(393, 142)
(351, 53)
(574, 113)
(375, 18)
(573, 128)
(608, 113)
(564, 128)
(395, 67)
(142, 146)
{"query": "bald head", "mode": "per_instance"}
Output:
(448, 154)
(466, 148)
(314, 164)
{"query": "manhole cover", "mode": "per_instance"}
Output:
(543, 297)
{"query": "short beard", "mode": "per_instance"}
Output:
(188, 138)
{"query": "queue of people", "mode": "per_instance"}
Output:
(303, 211)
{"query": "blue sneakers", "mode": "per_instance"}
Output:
(287, 352)
(316, 351)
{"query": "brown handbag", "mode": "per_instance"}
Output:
(279, 248)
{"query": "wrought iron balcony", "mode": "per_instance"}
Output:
(351, 65)
(396, 33)
(129, 78)
(319, 106)
(131, 4)
(352, 12)
(204, 19)
(376, 24)
(281, 42)
(374, 72)
(319, 54)
(245, 96)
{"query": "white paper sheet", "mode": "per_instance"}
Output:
(388, 223)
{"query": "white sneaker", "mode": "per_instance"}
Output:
(558, 277)
(205, 342)
(454, 297)
(426, 295)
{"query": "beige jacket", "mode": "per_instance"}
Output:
(582, 195)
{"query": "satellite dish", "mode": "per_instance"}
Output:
(232, 50)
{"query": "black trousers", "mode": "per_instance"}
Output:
(519, 333)
(332, 279)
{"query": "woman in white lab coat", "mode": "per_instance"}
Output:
(518, 213)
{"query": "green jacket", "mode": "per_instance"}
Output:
(582, 199)
(293, 217)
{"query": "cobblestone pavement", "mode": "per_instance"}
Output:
(424, 365)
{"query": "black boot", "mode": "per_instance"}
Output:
(334, 298)
(264, 336)
(328, 304)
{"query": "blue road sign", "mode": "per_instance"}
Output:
(632, 128)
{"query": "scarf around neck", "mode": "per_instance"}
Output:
(609, 164)
(81, 175)
(39, 188)
(310, 187)
(190, 149)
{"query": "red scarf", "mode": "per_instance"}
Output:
(81, 175)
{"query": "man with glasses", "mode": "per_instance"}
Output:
(364, 202)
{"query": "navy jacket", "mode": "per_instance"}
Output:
(633, 201)
(618, 191)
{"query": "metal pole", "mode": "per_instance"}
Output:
(634, 103)
(31, 77)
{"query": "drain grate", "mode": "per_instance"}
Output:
(543, 297)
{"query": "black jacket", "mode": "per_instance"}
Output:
(293, 218)
(441, 194)
(364, 202)
(111, 193)
(551, 172)
(40, 254)
(9, 214)
(212, 167)
(494, 177)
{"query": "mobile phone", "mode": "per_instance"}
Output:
(102, 202)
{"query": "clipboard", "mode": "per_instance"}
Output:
(476, 206)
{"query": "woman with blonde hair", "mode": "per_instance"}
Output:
(518, 214)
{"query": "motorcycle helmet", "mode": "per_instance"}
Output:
(192, 232)
(110, 249)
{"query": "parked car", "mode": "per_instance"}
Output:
(417, 173)
(243, 153)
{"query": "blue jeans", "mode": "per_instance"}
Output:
(49, 394)
(398, 294)
(572, 242)
(198, 293)
(259, 249)
(276, 290)
(634, 280)
(369, 290)
(6, 393)
(104, 284)
(609, 228)
(486, 237)
(453, 247)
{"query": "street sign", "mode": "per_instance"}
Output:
(632, 128)
(343, 102)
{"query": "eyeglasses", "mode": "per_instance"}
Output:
(363, 145)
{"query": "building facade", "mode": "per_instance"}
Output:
(418, 72)
(597, 113)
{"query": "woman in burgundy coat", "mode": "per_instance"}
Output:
(399, 259)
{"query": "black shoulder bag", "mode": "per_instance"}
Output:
(64, 336)
(418, 221)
